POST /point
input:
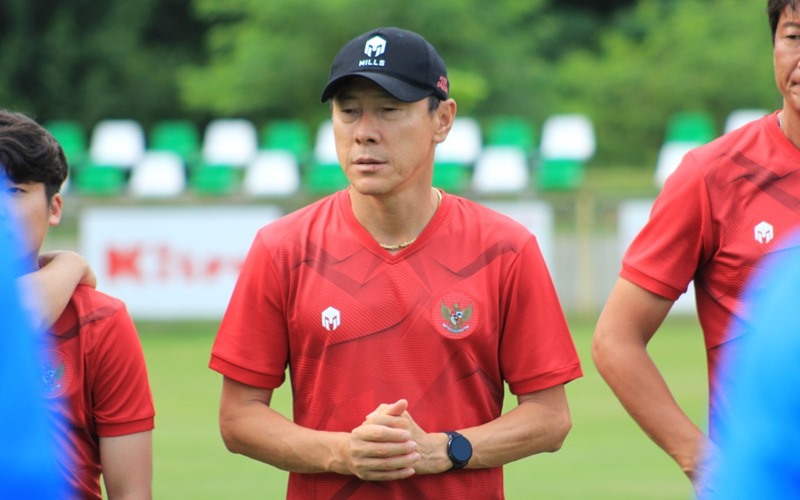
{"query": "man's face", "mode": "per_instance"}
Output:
(786, 56)
(383, 144)
(26, 205)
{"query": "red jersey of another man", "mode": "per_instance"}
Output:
(94, 378)
(443, 324)
(727, 205)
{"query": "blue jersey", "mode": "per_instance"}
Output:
(759, 441)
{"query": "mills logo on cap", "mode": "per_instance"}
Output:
(400, 61)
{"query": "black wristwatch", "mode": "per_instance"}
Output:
(459, 449)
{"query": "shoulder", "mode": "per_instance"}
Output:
(89, 306)
(472, 214)
(297, 224)
(750, 141)
(88, 299)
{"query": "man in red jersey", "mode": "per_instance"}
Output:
(93, 375)
(400, 311)
(727, 205)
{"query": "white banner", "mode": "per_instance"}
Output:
(170, 262)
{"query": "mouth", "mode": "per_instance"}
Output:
(368, 163)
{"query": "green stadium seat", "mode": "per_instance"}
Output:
(324, 178)
(559, 174)
(209, 179)
(512, 131)
(99, 180)
(73, 139)
(176, 136)
(289, 135)
(452, 177)
(691, 126)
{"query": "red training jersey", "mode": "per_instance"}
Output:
(442, 323)
(729, 203)
(95, 384)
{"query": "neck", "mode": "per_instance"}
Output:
(790, 126)
(396, 223)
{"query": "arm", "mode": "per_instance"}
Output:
(627, 323)
(539, 423)
(250, 427)
(46, 292)
(127, 463)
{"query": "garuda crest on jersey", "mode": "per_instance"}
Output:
(56, 374)
(456, 317)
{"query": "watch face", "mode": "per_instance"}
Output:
(460, 449)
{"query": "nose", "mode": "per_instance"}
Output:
(366, 130)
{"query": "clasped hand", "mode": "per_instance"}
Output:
(389, 445)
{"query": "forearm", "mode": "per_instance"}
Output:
(640, 387)
(127, 463)
(539, 424)
(47, 291)
(263, 434)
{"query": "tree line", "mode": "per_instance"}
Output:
(628, 64)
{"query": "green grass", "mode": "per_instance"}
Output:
(606, 455)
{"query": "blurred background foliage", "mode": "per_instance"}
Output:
(628, 64)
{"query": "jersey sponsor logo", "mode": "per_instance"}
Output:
(56, 374)
(331, 318)
(764, 232)
(455, 315)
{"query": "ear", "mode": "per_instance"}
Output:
(445, 115)
(56, 204)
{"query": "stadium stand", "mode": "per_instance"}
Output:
(117, 143)
(159, 174)
(568, 142)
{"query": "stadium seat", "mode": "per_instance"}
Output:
(559, 174)
(452, 177)
(288, 135)
(669, 157)
(158, 174)
(274, 172)
(230, 141)
(177, 136)
(690, 126)
(568, 137)
(117, 143)
(512, 131)
(99, 180)
(323, 178)
(739, 117)
(501, 169)
(72, 137)
(324, 145)
(463, 143)
(211, 179)
(323, 174)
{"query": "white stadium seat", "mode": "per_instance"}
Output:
(230, 141)
(117, 143)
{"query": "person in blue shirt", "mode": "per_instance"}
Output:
(758, 444)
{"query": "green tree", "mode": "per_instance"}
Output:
(271, 59)
(665, 57)
(89, 60)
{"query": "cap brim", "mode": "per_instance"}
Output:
(400, 90)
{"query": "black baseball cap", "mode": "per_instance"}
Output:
(400, 61)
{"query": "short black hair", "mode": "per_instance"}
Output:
(29, 153)
(774, 10)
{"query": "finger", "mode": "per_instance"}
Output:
(385, 469)
(382, 430)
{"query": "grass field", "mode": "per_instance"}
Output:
(605, 457)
